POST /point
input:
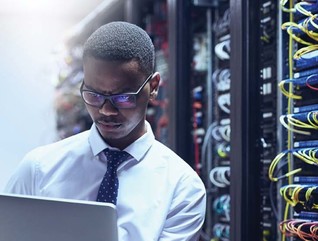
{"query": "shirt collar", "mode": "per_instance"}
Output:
(137, 149)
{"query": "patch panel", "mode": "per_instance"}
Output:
(306, 108)
(304, 23)
(303, 81)
(306, 180)
(304, 73)
(306, 117)
(302, 144)
(307, 215)
(307, 61)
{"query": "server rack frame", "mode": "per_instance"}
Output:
(179, 87)
(245, 196)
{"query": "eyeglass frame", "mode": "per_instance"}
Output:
(109, 97)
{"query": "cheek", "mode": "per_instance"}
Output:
(141, 108)
(134, 116)
(93, 112)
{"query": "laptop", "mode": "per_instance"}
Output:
(28, 218)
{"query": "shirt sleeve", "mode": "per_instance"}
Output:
(22, 180)
(187, 212)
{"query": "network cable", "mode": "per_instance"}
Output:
(220, 175)
(301, 121)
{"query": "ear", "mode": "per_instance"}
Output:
(154, 85)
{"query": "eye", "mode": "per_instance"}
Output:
(93, 96)
(123, 98)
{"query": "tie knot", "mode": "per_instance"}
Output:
(116, 157)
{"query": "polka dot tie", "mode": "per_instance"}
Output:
(108, 189)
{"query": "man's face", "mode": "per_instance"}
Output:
(118, 127)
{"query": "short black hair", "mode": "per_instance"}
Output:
(121, 41)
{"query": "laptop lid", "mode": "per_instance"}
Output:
(28, 218)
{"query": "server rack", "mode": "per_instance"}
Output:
(295, 165)
(252, 113)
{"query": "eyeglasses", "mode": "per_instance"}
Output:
(120, 101)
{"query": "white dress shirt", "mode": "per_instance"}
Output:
(160, 197)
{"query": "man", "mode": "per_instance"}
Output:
(159, 197)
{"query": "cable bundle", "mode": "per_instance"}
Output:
(222, 79)
(221, 132)
(308, 155)
(303, 229)
(307, 27)
(221, 231)
(301, 197)
(224, 102)
(220, 176)
(221, 206)
(222, 49)
(307, 120)
(222, 25)
(223, 149)
(308, 81)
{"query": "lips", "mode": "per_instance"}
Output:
(107, 125)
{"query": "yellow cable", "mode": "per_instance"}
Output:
(312, 21)
(273, 165)
(298, 123)
(287, 93)
(289, 128)
(312, 119)
(284, 9)
(288, 26)
(299, 8)
(289, 108)
(305, 50)
(312, 34)
(309, 191)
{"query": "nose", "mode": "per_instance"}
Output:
(108, 109)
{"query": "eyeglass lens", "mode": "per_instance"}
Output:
(119, 101)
